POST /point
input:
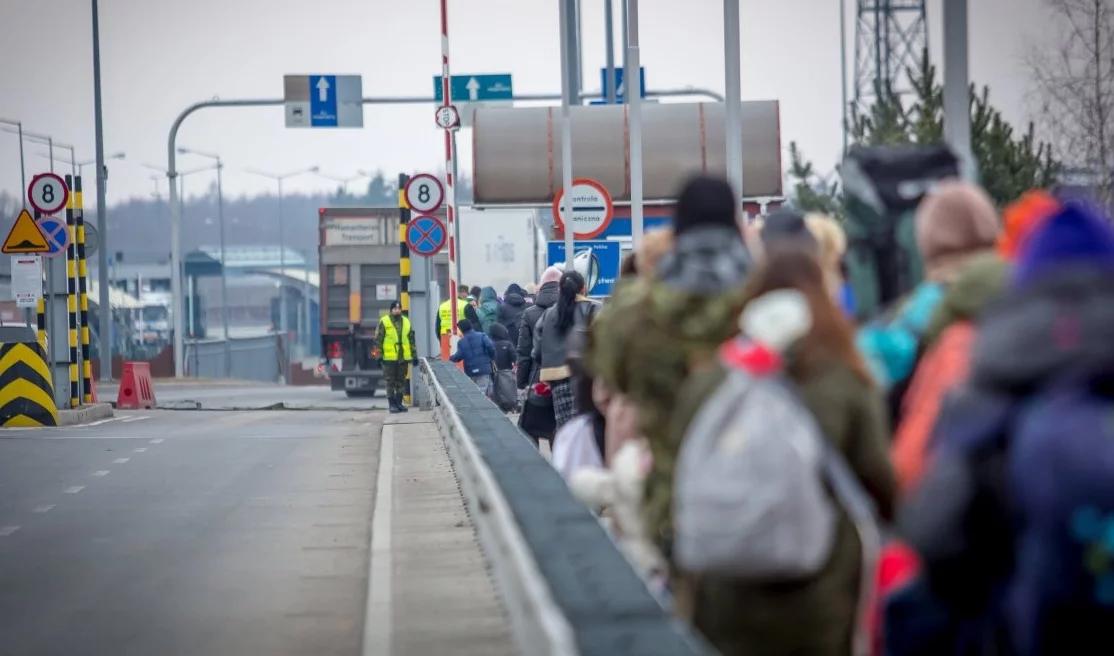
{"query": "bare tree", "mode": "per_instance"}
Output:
(1074, 85)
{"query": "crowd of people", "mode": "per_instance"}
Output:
(793, 479)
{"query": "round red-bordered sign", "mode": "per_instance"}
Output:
(447, 117)
(48, 193)
(427, 186)
(592, 208)
(426, 235)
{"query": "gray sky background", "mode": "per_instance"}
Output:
(158, 56)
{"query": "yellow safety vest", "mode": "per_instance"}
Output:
(446, 314)
(390, 339)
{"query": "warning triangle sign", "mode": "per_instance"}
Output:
(25, 237)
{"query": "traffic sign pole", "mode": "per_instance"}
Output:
(633, 92)
(566, 131)
(450, 164)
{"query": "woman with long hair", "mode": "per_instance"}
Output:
(817, 615)
(556, 332)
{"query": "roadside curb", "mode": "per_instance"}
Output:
(84, 415)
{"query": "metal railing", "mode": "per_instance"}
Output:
(566, 587)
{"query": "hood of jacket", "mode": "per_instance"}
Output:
(707, 260)
(1036, 333)
(514, 299)
(498, 332)
(547, 295)
(488, 295)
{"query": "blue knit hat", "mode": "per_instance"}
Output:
(1077, 236)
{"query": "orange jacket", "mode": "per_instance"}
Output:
(942, 368)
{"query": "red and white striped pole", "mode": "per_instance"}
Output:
(450, 157)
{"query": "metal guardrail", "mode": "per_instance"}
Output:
(565, 585)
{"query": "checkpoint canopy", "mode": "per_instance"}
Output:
(323, 101)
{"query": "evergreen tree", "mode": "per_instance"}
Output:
(1008, 164)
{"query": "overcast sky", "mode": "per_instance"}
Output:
(158, 56)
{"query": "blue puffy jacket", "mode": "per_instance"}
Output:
(477, 351)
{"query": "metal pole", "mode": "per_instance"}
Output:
(102, 208)
(22, 168)
(609, 46)
(566, 133)
(456, 223)
(957, 112)
(633, 85)
(843, 69)
(578, 53)
(282, 267)
(177, 306)
(450, 168)
(223, 275)
(626, 43)
(305, 300)
(733, 131)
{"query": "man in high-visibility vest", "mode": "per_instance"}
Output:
(395, 339)
(445, 311)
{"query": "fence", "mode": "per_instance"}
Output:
(253, 358)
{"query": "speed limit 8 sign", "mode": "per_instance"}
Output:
(47, 193)
(424, 193)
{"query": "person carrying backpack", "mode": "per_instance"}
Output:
(1014, 516)
(511, 311)
(477, 352)
(505, 392)
(488, 308)
(812, 605)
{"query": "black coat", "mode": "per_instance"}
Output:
(510, 313)
(546, 297)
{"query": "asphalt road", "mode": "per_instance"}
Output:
(170, 532)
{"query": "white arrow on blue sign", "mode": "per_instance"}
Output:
(477, 88)
(323, 101)
(620, 88)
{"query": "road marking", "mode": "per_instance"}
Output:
(101, 422)
(140, 449)
(132, 420)
(43, 509)
(7, 530)
(101, 472)
(120, 461)
(74, 489)
(157, 440)
(377, 622)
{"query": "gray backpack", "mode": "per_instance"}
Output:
(757, 487)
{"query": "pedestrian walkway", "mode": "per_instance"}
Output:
(429, 586)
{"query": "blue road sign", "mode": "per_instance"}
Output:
(323, 101)
(620, 226)
(476, 88)
(426, 235)
(597, 261)
(620, 89)
(57, 235)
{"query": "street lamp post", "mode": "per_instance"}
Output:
(223, 259)
(80, 166)
(278, 178)
(342, 181)
(102, 209)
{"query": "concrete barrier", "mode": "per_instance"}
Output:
(566, 587)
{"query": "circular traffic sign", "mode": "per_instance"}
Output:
(48, 193)
(426, 235)
(591, 212)
(56, 233)
(447, 117)
(424, 193)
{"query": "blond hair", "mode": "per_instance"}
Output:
(832, 243)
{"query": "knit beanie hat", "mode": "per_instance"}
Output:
(955, 218)
(706, 201)
(1074, 237)
(787, 226)
(552, 274)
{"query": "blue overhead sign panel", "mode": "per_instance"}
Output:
(597, 261)
(620, 88)
(323, 101)
(476, 88)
